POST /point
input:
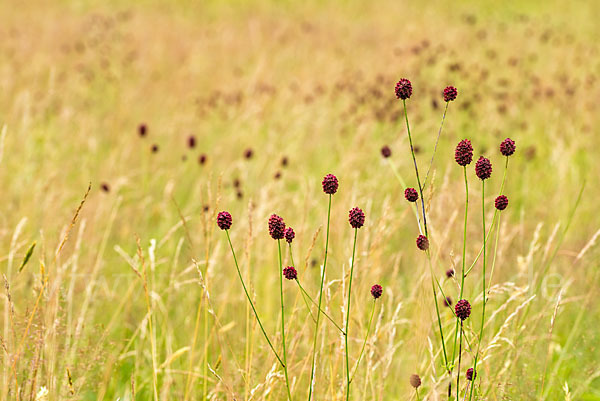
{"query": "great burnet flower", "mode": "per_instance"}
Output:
(450, 93)
(289, 235)
(471, 374)
(507, 147)
(483, 168)
(422, 243)
(376, 291)
(403, 89)
(386, 152)
(290, 273)
(330, 184)
(415, 381)
(501, 202)
(224, 220)
(462, 309)
(356, 217)
(411, 194)
(464, 153)
(276, 227)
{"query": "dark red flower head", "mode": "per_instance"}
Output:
(422, 243)
(154, 148)
(471, 374)
(483, 168)
(356, 217)
(191, 141)
(290, 273)
(248, 153)
(142, 130)
(276, 227)
(330, 184)
(403, 89)
(462, 309)
(376, 291)
(450, 273)
(450, 93)
(507, 147)
(224, 220)
(415, 381)
(289, 235)
(501, 202)
(202, 159)
(447, 301)
(411, 194)
(464, 153)
(386, 152)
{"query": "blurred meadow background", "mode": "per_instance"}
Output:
(276, 94)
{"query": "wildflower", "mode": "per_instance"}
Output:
(376, 291)
(276, 227)
(289, 235)
(224, 220)
(356, 217)
(386, 152)
(450, 93)
(105, 187)
(447, 301)
(422, 243)
(142, 130)
(483, 168)
(403, 89)
(462, 309)
(248, 153)
(191, 141)
(415, 381)
(284, 161)
(471, 374)
(450, 273)
(411, 194)
(202, 159)
(290, 273)
(154, 148)
(501, 202)
(507, 147)
(330, 184)
(464, 153)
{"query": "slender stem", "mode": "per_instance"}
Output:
(417, 391)
(412, 151)
(362, 350)
(348, 317)
(322, 311)
(301, 293)
(404, 186)
(483, 292)
(437, 311)
(312, 369)
(285, 369)
(251, 303)
(462, 280)
(459, 358)
(436, 144)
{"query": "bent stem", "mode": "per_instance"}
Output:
(322, 311)
(412, 151)
(312, 369)
(483, 291)
(436, 145)
(362, 350)
(285, 369)
(348, 318)
(252, 303)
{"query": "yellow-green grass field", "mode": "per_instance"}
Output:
(131, 291)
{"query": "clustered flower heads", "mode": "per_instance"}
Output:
(411, 194)
(376, 291)
(464, 153)
(415, 381)
(462, 309)
(501, 202)
(471, 374)
(330, 184)
(356, 217)
(450, 93)
(224, 220)
(290, 273)
(422, 242)
(403, 89)
(289, 235)
(276, 227)
(483, 168)
(507, 147)
(386, 152)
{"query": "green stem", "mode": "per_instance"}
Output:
(412, 151)
(362, 350)
(404, 186)
(459, 358)
(348, 317)
(301, 293)
(436, 145)
(312, 369)
(483, 292)
(285, 369)
(251, 303)
(322, 311)
(437, 310)
(462, 281)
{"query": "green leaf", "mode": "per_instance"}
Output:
(27, 256)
